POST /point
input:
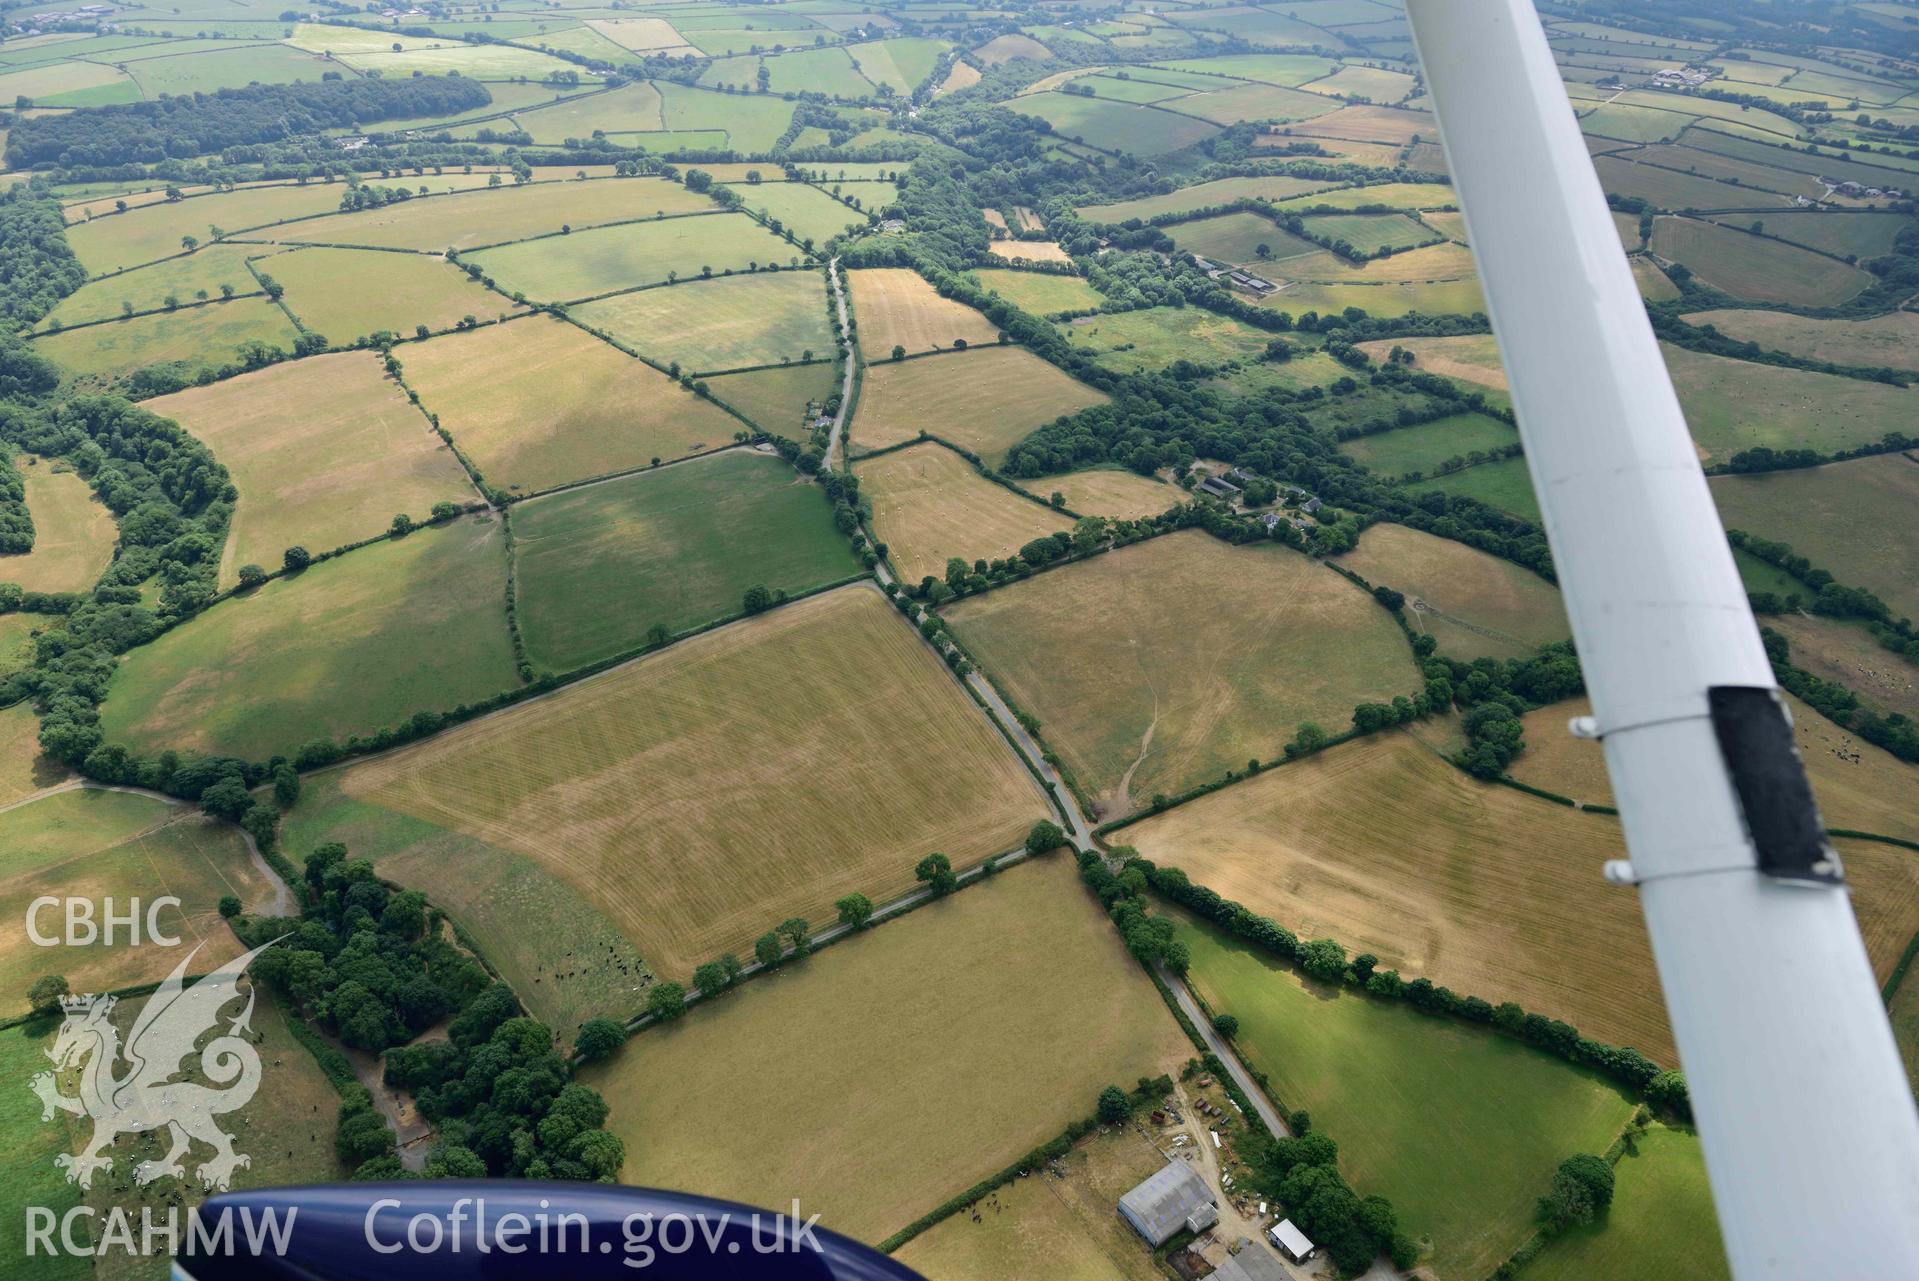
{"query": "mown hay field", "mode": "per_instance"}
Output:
(1203, 195)
(1661, 1221)
(90, 843)
(197, 338)
(1859, 786)
(73, 531)
(1853, 519)
(1471, 358)
(778, 399)
(352, 293)
(1109, 492)
(1890, 341)
(496, 215)
(1754, 267)
(1372, 124)
(323, 452)
(148, 288)
(155, 231)
(964, 998)
(1424, 447)
(349, 646)
(807, 212)
(1457, 1126)
(734, 323)
(698, 797)
(1039, 293)
(1162, 665)
(1734, 404)
(895, 307)
(1065, 1219)
(1155, 337)
(596, 567)
(1369, 233)
(929, 505)
(601, 260)
(538, 402)
(985, 401)
(1474, 604)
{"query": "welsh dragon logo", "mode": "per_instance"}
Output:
(149, 1095)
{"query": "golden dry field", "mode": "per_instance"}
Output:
(538, 402)
(491, 216)
(898, 1068)
(699, 796)
(986, 401)
(73, 532)
(1469, 358)
(1474, 604)
(1861, 787)
(1109, 492)
(1387, 848)
(23, 770)
(1847, 653)
(893, 306)
(351, 293)
(930, 504)
(142, 235)
(1162, 665)
(324, 452)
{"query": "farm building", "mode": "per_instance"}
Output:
(1291, 1240)
(1218, 488)
(1252, 1263)
(1172, 1199)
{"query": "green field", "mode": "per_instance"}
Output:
(749, 124)
(1218, 192)
(194, 339)
(229, 68)
(1433, 298)
(1858, 235)
(1424, 447)
(985, 400)
(1670, 190)
(778, 399)
(597, 567)
(1236, 238)
(732, 323)
(1505, 485)
(1891, 341)
(1754, 267)
(1039, 293)
(1733, 405)
(1370, 233)
(1459, 1127)
(1854, 519)
(148, 288)
(496, 215)
(627, 109)
(807, 212)
(1115, 126)
(351, 293)
(1661, 1222)
(348, 647)
(1157, 336)
(1255, 102)
(587, 264)
(154, 231)
(1161, 666)
(31, 1177)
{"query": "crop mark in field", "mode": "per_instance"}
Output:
(1124, 792)
(1421, 606)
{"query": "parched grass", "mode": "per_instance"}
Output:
(1733, 405)
(1393, 195)
(630, 108)
(896, 307)
(1425, 446)
(538, 402)
(1153, 338)
(1115, 126)
(1029, 251)
(778, 400)
(731, 323)
(598, 261)
(1457, 1126)
(596, 567)
(1890, 341)
(987, 400)
(968, 993)
(347, 647)
(1434, 298)
(1006, 48)
(1066, 1220)
(23, 770)
(1372, 124)
(807, 212)
(324, 452)
(351, 293)
(90, 843)
(73, 531)
(477, 62)
(929, 505)
(494, 215)
(1847, 653)
(1470, 358)
(1755, 267)
(195, 338)
(1854, 519)
(1202, 195)
(148, 288)
(1859, 787)
(1661, 1221)
(1377, 83)
(701, 795)
(154, 231)
(1039, 293)
(1109, 492)
(1236, 238)
(1163, 665)
(1654, 285)
(1472, 603)
(1443, 261)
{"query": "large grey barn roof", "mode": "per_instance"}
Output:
(1159, 1206)
(1254, 1263)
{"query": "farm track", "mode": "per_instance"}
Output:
(834, 447)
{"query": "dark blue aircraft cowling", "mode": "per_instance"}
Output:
(452, 1231)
